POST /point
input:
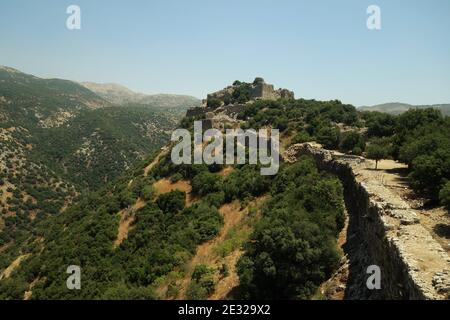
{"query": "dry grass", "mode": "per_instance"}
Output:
(154, 162)
(165, 185)
(226, 171)
(234, 232)
(127, 217)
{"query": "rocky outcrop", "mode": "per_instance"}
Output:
(383, 231)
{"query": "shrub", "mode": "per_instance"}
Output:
(176, 177)
(172, 202)
(205, 183)
(351, 140)
(444, 195)
(148, 192)
(328, 137)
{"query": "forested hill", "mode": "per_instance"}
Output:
(138, 237)
(59, 140)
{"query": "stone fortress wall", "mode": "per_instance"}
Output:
(383, 231)
(260, 90)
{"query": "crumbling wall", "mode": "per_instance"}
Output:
(383, 231)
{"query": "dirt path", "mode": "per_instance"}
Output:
(155, 162)
(234, 219)
(165, 185)
(127, 217)
(15, 264)
(232, 214)
(393, 175)
(226, 171)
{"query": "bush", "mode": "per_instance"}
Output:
(444, 195)
(176, 177)
(213, 103)
(302, 137)
(328, 137)
(351, 140)
(200, 271)
(205, 183)
(172, 202)
(292, 248)
(202, 284)
(148, 192)
(195, 291)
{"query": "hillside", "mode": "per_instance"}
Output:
(399, 108)
(166, 231)
(60, 140)
(120, 95)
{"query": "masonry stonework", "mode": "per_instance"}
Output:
(384, 231)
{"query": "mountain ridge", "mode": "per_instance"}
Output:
(120, 94)
(397, 108)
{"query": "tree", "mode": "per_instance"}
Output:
(351, 140)
(205, 183)
(200, 271)
(202, 284)
(426, 176)
(213, 103)
(379, 124)
(172, 202)
(328, 137)
(444, 195)
(148, 192)
(376, 152)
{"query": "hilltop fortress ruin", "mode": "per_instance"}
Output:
(233, 99)
(258, 90)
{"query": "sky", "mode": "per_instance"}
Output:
(320, 49)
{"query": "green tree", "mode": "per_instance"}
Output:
(352, 140)
(205, 183)
(148, 192)
(444, 195)
(328, 137)
(172, 202)
(377, 152)
(426, 176)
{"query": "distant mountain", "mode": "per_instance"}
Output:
(119, 95)
(398, 108)
(114, 93)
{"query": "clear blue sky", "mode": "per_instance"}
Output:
(321, 49)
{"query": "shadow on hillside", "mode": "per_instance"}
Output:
(442, 230)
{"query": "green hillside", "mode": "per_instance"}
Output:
(60, 140)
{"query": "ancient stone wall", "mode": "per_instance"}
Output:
(383, 231)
